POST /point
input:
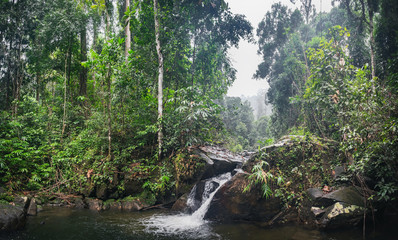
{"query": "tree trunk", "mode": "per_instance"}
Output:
(109, 109)
(128, 33)
(372, 40)
(65, 84)
(109, 93)
(160, 78)
(83, 58)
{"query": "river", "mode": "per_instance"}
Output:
(84, 224)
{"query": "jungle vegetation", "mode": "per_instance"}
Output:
(92, 88)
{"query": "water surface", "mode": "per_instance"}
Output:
(73, 224)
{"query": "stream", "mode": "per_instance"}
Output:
(82, 224)
(74, 224)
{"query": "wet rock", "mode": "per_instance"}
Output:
(219, 160)
(341, 215)
(21, 201)
(200, 192)
(94, 204)
(231, 203)
(349, 195)
(318, 212)
(11, 217)
(132, 205)
(32, 209)
(181, 204)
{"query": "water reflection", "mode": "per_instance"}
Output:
(69, 224)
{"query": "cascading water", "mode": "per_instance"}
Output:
(188, 224)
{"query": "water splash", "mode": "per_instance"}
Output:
(182, 225)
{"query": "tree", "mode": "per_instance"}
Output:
(284, 63)
(127, 31)
(364, 11)
(160, 75)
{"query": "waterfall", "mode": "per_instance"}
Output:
(208, 195)
(189, 224)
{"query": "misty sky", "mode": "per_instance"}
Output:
(245, 59)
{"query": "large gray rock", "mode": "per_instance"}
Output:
(341, 215)
(349, 195)
(32, 209)
(314, 193)
(181, 204)
(231, 203)
(219, 160)
(11, 217)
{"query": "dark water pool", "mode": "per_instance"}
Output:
(72, 224)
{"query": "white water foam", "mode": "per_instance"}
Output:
(185, 224)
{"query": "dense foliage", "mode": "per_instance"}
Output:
(79, 99)
(335, 76)
(99, 92)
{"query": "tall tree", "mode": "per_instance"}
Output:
(160, 76)
(127, 32)
(363, 11)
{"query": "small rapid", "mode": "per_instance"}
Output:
(181, 225)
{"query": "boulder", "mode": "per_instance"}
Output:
(132, 205)
(21, 201)
(349, 195)
(231, 203)
(32, 209)
(201, 191)
(181, 204)
(340, 215)
(314, 193)
(219, 160)
(94, 204)
(11, 217)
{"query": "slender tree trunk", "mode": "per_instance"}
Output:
(128, 33)
(108, 80)
(65, 84)
(9, 78)
(109, 109)
(83, 58)
(18, 78)
(83, 70)
(372, 40)
(193, 59)
(95, 36)
(160, 78)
